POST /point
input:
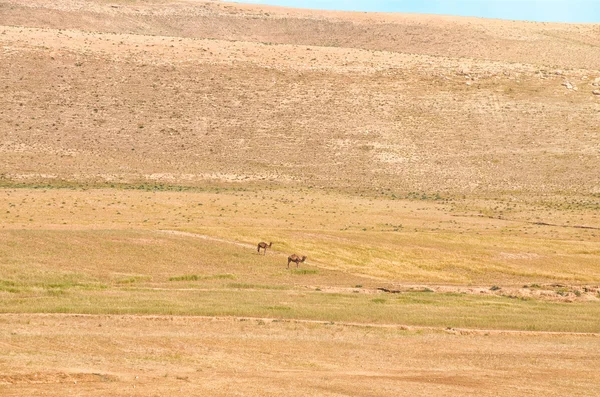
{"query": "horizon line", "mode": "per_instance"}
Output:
(538, 11)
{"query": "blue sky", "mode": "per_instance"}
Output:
(531, 10)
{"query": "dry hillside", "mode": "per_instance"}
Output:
(185, 92)
(148, 146)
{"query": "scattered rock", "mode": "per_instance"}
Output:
(464, 71)
(391, 291)
(596, 92)
(569, 85)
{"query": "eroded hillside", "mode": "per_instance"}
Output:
(188, 92)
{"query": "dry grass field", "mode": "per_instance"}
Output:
(171, 355)
(440, 174)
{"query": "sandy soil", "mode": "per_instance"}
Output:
(158, 355)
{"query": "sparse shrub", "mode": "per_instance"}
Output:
(131, 280)
(190, 277)
(532, 286)
(280, 308)
(222, 276)
(195, 277)
(495, 288)
(255, 286)
(304, 271)
(378, 300)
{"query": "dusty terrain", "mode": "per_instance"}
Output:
(160, 355)
(188, 92)
(440, 173)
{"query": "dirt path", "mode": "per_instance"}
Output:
(245, 245)
(270, 320)
(205, 237)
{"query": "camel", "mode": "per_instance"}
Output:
(264, 246)
(295, 258)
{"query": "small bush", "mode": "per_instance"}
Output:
(495, 288)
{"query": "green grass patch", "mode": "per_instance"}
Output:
(436, 310)
(189, 277)
(196, 277)
(10, 286)
(221, 277)
(51, 287)
(67, 285)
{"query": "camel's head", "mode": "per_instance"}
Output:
(303, 258)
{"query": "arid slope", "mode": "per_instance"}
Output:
(188, 92)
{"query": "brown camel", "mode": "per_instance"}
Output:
(264, 246)
(295, 258)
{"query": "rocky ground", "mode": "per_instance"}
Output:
(197, 92)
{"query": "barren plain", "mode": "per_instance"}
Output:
(440, 173)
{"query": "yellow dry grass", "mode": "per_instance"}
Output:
(438, 172)
(434, 241)
(194, 252)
